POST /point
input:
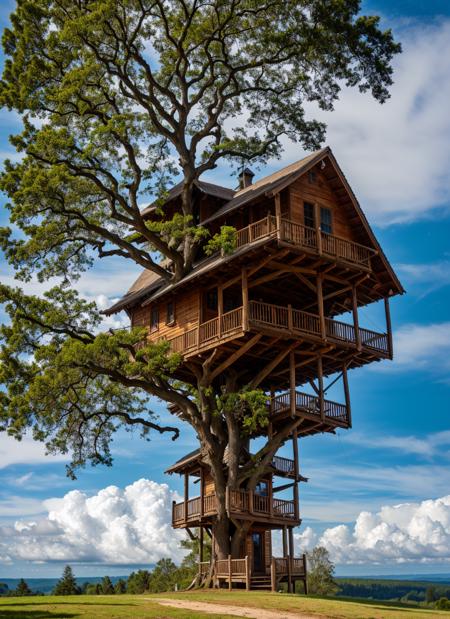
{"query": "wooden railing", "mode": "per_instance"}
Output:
(310, 404)
(297, 565)
(293, 320)
(307, 238)
(258, 230)
(203, 567)
(238, 501)
(276, 317)
(284, 465)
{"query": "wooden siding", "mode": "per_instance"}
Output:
(208, 484)
(187, 312)
(320, 192)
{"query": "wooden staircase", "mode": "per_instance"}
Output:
(261, 582)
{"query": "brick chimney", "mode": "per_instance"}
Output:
(245, 178)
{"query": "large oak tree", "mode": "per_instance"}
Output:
(120, 98)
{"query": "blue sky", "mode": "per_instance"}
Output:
(397, 159)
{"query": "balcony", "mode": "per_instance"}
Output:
(307, 405)
(281, 569)
(240, 503)
(307, 239)
(280, 320)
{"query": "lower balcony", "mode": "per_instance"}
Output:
(242, 504)
(240, 571)
(280, 321)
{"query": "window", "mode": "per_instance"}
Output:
(262, 488)
(325, 220)
(308, 214)
(211, 299)
(312, 178)
(154, 318)
(170, 318)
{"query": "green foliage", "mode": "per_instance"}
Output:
(72, 387)
(224, 241)
(320, 572)
(67, 585)
(247, 405)
(442, 604)
(22, 589)
(107, 586)
(91, 589)
(163, 576)
(106, 128)
(430, 594)
(138, 582)
(118, 127)
(120, 586)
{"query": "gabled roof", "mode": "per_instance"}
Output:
(269, 184)
(210, 189)
(149, 282)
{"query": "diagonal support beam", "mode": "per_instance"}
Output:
(273, 364)
(235, 356)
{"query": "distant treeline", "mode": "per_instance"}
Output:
(392, 590)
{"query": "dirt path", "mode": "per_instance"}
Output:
(237, 611)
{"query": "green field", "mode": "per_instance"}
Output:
(146, 606)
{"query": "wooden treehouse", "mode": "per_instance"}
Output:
(304, 255)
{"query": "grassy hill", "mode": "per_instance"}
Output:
(146, 606)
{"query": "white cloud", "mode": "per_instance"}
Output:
(428, 445)
(115, 526)
(408, 532)
(422, 346)
(397, 155)
(27, 451)
(429, 277)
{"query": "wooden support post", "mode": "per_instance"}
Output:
(284, 542)
(230, 573)
(201, 544)
(202, 493)
(295, 451)
(271, 412)
(355, 318)
(273, 574)
(250, 501)
(320, 380)
(219, 310)
(296, 505)
(289, 560)
(292, 383)
(290, 319)
(305, 581)
(347, 396)
(245, 302)
(278, 213)
(388, 327)
(323, 331)
(247, 573)
(186, 495)
(317, 227)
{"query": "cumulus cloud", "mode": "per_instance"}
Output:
(115, 526)
(396, 156)
(405, 533)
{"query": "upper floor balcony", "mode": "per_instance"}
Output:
(309, 240)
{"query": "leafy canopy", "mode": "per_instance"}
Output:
(119, 98)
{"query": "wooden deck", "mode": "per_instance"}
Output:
(242, 503)
(231, 571)
(309, 406)
(310, 240)
(281, 321)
